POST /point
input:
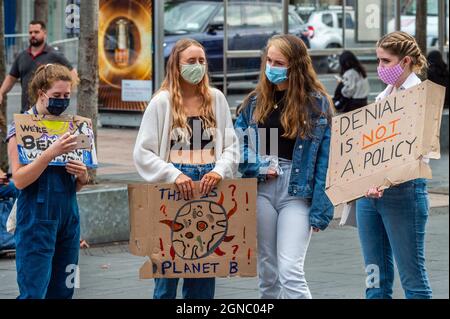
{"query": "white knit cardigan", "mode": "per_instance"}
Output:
(152, 148)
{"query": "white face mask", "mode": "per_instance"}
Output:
(193, 73)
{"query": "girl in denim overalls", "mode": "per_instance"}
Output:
(187, 135)
(48, 226)
(391, 223)
(292, 108)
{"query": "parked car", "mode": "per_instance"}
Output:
(326, 27)
(250, 25)
(408, 21)
(304, 11)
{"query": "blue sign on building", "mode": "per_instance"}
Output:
(10, 16)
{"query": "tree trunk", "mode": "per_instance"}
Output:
(3, 148)
(41, 10)
(421, 25)
(88, 65)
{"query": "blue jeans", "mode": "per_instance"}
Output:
(394, 227)
(193, 288)
(8, 194)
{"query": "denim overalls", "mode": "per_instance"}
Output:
(193, 288)
(48, 236)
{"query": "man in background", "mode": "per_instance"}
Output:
(38, 53)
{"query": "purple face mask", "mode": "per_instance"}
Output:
(390, 75)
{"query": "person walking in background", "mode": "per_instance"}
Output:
(8, 194)
(353, 86)
(391, 223)
(438, 73)
(47, 232)
(291, 202)
(38, 53)
(187, 135)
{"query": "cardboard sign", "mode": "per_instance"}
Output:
(35, 133)
(382, 144)
(212, 236)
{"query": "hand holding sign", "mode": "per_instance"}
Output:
(78, 169)
(185, 186)
(68, 137)
(65, 144)
(375, 192)
(208, 182)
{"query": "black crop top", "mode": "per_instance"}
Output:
(199, 138)
(285, 145)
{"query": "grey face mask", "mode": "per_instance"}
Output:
(193, 73)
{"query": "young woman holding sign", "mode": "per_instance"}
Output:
(48, 225)
(290, 102)
(187, 135)
(391, 223)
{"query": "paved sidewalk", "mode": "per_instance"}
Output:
(334, 269)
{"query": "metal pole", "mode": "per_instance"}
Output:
(344, 22)
(442, 25)
(398, 14)
(159, 43)
(225, 45)
(285, 15)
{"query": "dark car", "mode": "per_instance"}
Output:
(250, 25)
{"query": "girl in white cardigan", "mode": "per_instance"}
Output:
(187, 135)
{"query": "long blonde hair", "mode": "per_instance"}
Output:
(296, 118)
(172, 84)
(402, 44)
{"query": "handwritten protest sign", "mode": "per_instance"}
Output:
(35, 133)
(382, 144)
(210, 236)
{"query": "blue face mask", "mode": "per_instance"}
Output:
(276, 75)
(57, 106)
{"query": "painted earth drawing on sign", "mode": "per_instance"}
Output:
(198, 229)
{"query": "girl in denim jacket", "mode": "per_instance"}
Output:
(284, 130)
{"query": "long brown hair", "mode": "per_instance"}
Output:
(402, 44)
(296, 118)
(44, 77)
(172, 84)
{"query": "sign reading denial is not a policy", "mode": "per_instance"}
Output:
(35, 133)
(209, 236)
(382, 144)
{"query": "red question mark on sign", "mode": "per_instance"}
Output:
(163, 209)
(234, 189)
(235, 248)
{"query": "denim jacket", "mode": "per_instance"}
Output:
(309, 161)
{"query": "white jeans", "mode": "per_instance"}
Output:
(284, 233)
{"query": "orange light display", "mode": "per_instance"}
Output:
(125, 55)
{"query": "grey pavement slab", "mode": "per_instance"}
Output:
(334, 269)
(439, 183)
